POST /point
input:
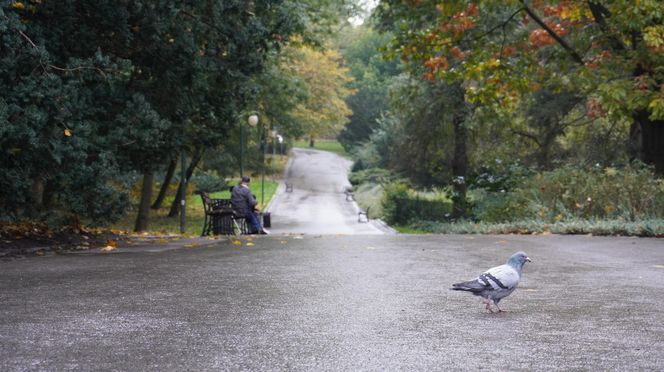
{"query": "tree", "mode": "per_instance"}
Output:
(502, 51)
(323, 112)
(457, 109)
(59, 127)
(371, 78)
(94, 92)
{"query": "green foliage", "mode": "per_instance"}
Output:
(322, 112)
(371, 78)
(370, 195)
(498, 206)
(499, 176)
(552, 66)
(371, 175)
(393, 192)
(324, 145)
(402, 205)
(643, 228)
(208, 182)
(571, 193)
(632, 193)
(92, 92)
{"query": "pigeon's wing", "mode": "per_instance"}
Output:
(500, 277)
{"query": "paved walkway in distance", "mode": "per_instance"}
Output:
(317, 205)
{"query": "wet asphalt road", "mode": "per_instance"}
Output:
(372, 302)
(317, 203)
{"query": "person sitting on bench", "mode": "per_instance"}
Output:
(244, 204)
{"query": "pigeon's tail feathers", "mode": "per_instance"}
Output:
(469, 286)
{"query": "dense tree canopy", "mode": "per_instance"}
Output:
(606, 54)
(93, 93)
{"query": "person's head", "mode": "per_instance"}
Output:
(245, 179)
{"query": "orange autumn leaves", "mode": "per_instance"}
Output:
(560, 19)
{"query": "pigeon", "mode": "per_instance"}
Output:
(496, 283)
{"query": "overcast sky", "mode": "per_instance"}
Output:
(368, 5)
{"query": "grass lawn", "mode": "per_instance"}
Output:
(160, 223)
(325, 145)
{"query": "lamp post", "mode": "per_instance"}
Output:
(252, 121)
(263, 149)
(274, 151)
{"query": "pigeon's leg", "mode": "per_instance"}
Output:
(487, 302)
(499, 309)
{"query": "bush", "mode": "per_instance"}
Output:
(402, 205)
(571, 193)
(644, 228)
(370, 195)
(499, 176)
(632, 193)
(493, 207)
(209, 182)
(369, 175)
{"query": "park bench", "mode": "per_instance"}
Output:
(220, 219)
(365, 213)
(349, 194)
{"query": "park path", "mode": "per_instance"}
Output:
(317, 205)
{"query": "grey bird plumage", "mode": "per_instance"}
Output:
(496, 283)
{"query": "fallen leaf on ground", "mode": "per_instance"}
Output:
(250, 244)
(237, 242)
(108, 248)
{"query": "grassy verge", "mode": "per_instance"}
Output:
(369, 195)
(160, 223)
(325, 145)
(643, 228)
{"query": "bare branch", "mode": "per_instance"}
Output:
(552, 33)
(599, 12)
(530, 136)
(45, 67)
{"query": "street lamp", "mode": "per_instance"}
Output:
(252, 121)
(274, 151)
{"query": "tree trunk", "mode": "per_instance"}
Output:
(37, 194)
(196, 158)
(167, 182)
(311, 142)
(459, 165)
(143, 217)
(647, 139)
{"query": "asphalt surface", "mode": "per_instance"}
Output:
(317, 203)
(374, 302)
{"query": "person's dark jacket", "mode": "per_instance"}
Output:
(243, 200)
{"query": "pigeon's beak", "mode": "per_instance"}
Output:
(528, 259)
